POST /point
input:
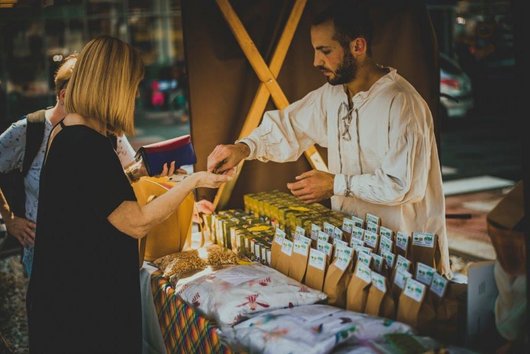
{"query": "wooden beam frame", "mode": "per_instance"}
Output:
(269, 87)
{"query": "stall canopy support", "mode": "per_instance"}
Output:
(268, 87)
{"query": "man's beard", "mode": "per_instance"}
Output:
(346, 71)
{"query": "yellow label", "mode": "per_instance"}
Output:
(259, 228)
(298, 208)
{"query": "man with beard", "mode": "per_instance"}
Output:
(379, 133)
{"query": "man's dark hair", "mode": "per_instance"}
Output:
(351, 19)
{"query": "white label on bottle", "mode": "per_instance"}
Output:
(389, 259)
(347, 225)
(370, 239)
(314, 231)
(424, 273)
(322, 236)
(357, 233)
(378, 262)
(317, 259)
(287, 247)
(301, 246)
(364, 258)
(279, 236)
(328, 228)
(402, 263)
(414, 289)
(423, 239)
(363, 272)
(386, 232)
(371, 218)
(439, 285)
(357, 221)
(402, 240)
(371, 227)
(379, 282)
(401, 277)
(385, 245)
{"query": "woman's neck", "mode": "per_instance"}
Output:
(74, 118)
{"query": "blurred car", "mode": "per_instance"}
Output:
(455, 88)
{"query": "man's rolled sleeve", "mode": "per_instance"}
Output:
(251, 145)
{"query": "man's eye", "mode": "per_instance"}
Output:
(326, 52)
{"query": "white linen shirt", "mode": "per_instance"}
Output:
(389, 167)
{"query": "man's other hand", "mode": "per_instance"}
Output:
(21, 229)
(312, 186)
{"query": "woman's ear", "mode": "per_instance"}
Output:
(61, 95)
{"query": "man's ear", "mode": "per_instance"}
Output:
(358, 46)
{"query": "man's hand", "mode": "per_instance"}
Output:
(312, 186)
(225, 157)
(21, 229)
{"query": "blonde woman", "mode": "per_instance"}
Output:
(84, 292)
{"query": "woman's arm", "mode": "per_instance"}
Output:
(136, 221)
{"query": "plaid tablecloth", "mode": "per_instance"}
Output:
(184, 330)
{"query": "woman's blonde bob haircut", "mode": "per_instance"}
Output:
(104, 84)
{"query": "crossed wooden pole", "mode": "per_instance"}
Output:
(268, 87)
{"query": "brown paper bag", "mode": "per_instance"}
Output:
(299, 258)
(398, 282)
(412, 309)
(316, 269)
(423, 248)
(376, 294)
(276, 247)
(402, 244)
(337, 279)
(284, 260)
(358, 288)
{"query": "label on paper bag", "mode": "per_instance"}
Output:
(377, 262)
(317, 259)
(357, 221)
(414, 289)
(370, 239)
(325, 247)
(386, 232)
(371, 218)
(343, 260)
(439, 285)
(402, 263)
(371, 227)
(301, 246)
(287, 247)
(363, 272)
(342, 248)
(423, 239)
(347, 225)
(364, 258)
(279, 236)
(401, 278)
(402, 240)
(356, 243)
(424, 273)
(357, 233)
(299, 231)
(379, 281)
(314, 231)
(385, 245)
(322, 236)
(389, 259)
(337, 234)
(328, 228)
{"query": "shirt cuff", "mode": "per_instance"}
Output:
(341, 185)
(251, 145)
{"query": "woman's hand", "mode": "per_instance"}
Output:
(211, 180)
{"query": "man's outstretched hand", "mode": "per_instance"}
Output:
(225, 157)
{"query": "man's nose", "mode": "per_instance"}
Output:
(317, 60)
